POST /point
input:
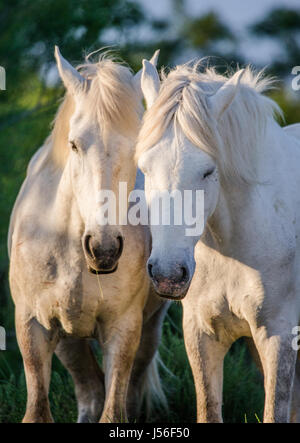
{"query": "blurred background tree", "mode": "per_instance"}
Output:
(283, 26)
(28, 32)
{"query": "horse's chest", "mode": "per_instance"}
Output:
(69, 302)
(55, 290)
(222, 292)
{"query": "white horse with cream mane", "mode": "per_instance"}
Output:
(205, 131)
(58, 249)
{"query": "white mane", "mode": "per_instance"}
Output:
(112, 94)
(112, 100)
(182, 104)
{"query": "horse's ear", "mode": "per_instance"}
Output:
(137, 79)
(223, 98)
(150, 83)
(73, 81)
(154, 59)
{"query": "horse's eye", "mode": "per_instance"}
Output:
(208, 173)
(73, 146)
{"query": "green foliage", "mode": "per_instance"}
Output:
(29, 30)
(243, 386)
(290, 106)
(279, 22)
(202, 31)
(281, 25)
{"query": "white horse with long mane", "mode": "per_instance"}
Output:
(205, 131)
(58, 249)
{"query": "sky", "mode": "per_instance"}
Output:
(237, 14)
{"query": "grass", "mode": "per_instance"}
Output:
(243, 391)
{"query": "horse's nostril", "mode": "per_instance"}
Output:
(121, 245)
(184, 273)
(87, 245)
(111, 250)
(150, 270)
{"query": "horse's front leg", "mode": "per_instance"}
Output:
(120, 344)
(37, 346)
(145, 363)
(278, 360)
(206, 356)
(78, 358)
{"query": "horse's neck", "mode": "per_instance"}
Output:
(240, 211)
(223, 222)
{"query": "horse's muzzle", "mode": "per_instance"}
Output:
(102, 258)
(173, 284)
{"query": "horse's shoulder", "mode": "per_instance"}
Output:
(36, 176)
(37, 160)
(27, 218)
(293, 130)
